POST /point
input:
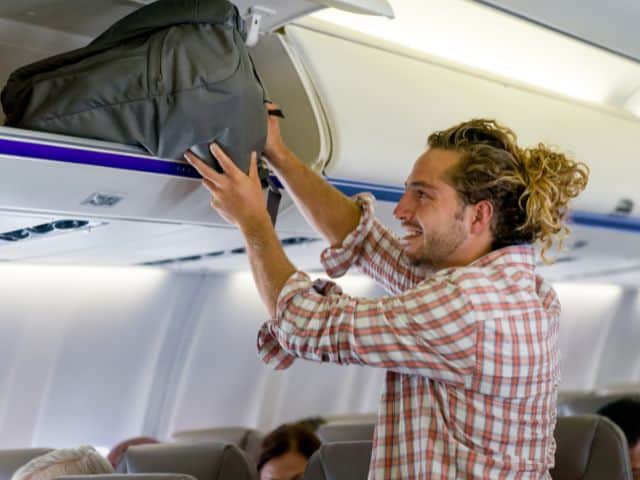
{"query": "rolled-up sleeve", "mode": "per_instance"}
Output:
(375, 251)
(429, 330)
(338, 260)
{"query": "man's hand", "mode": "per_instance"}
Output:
(274, 149)
(237, 197)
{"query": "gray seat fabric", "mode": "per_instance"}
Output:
(340, 461)
(204, 461)
(581, 404)
(590, 447)
(12, 460)
(247, 439)
(346, 432)
(133, 476)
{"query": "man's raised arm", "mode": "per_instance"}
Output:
(329, 212)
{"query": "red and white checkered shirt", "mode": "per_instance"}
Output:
(471, 354)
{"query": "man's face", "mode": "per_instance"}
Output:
(432, 212)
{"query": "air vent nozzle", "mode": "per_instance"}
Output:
(46, 229)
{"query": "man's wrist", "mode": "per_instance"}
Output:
(279, 157)
(257, 228)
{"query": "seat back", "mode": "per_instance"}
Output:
(12, 460)
(247, 439)
(340, 461)
(590, 447)
(204, 461)
(128, 476)
(584, 404)
(346, 432)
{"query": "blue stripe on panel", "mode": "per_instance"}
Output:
(602, 220)
(59, 153)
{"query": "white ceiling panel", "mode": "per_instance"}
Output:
(612, 25)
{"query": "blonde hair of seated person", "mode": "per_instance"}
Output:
(84, 460)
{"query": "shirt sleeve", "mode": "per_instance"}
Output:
(429, 330)
(375, 251)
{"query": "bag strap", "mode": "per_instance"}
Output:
(274, 196)
(273, 201)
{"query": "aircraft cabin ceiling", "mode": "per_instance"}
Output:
(610, 25)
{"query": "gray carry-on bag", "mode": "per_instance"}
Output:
(171, 76)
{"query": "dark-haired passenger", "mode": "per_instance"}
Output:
(468, 333)
(626, 414)
(284, 452)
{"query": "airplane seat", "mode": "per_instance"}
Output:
(345, 432)
(204, 461)
(590, 403)
(12, 460)
(590, 447)
(129, 476)
(340, 461)
(247, 439)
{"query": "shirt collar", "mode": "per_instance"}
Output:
(521, 255)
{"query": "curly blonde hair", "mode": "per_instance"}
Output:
(529, 188)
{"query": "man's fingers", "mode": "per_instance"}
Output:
(225, 162)
(202, 168)
(211, 186)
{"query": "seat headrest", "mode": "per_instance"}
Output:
(204, 461)
(12, 460)
(590, 447)
(340, 461)
(583, 404)
(247, 439)
(346, 432)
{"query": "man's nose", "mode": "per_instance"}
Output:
(403, 210)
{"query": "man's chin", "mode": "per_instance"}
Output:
(415, 259)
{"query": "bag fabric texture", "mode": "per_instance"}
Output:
(172, 75)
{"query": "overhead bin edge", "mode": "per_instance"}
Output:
(368, 7)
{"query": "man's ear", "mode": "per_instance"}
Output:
(482, 217)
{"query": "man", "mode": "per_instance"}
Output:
(469, 336)
(625, 413)
(66, 461)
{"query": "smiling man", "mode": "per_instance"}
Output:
(469, 332)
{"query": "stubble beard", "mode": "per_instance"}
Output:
(437, 247)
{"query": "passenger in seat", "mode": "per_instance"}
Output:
(311, 423)
(468, 333)
(67, 461)
(626, 414)
(118, 451)
(284, 452)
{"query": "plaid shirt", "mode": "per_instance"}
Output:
(471, 354)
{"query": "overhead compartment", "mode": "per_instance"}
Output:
(134, 208)
(382, 101)
(62, 175)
